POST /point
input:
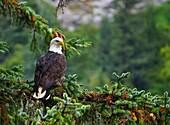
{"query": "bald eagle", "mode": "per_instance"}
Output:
(50, 68)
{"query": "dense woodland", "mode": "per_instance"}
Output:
(114, 66)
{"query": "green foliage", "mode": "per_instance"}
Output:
(105, 105)
(16, 58)
(131, 43)
(15, 72)
(66, 112)
(165, 52)
(10, 86)
(12, 74)
(3, 47)
(74, 45)
(24, 15)
(71, 86)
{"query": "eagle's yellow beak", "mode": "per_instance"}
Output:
(61, 43)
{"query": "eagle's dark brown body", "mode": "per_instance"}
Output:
(50, 69)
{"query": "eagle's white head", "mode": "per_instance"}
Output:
(56, 45)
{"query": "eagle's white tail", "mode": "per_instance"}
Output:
(40, 94)
(48, 97)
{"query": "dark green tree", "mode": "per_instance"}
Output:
(132, 42)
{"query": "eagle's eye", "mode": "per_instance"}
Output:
(57, 41)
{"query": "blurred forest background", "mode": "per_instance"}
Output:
(127, 36)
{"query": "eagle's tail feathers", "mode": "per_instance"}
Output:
(48, 97)
(39, 94)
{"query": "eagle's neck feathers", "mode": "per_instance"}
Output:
(55, 48)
